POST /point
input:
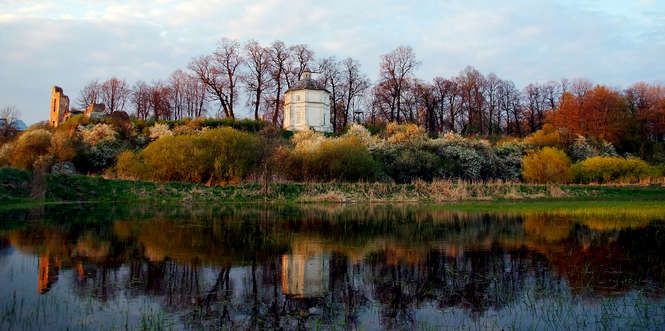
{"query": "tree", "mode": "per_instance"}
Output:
(427, 105)
(599, 112)
(257, 79)
(395, 71)
(160, 102)
(141, 99)
(279, 56)
(330, 77)
(220, 74)
(229, 58)
(534, 99)
(447, 93)
(471, 84)
(354, 85)
(91, 93)
(114, 94)
(509, 105)
(300, 58)
(647, 103)
(8, 117)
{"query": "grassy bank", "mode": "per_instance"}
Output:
(21, 187)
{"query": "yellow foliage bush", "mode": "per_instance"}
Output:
(601, 169)
(62, 147)
(548, 165)
(405, 133)
(344, 158)
(130, 165)
(218, 154)
(547, 136)
(29, 147)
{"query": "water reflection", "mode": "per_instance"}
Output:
(332, 266)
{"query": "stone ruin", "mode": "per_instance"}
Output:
(60, 112)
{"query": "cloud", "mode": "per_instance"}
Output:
(72, 41)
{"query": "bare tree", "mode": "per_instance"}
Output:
(354, 85)
(449, 102)
(220, 73)
(279, 57)
(395, 70)
(257, 79)
(427, 101)
(195, 95)
(178, 93)
(301, 57)
(229, 58)
(141, 99)
(205, 69)
(159, 101)
(91, 93)
(471, 84)
(115, 93)
(330, 77)
(8, 117)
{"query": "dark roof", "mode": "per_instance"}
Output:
(306, 84)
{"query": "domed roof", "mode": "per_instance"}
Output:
(306, 83)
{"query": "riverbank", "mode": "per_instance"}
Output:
(18, 186)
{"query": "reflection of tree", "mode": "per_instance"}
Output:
(230, 267)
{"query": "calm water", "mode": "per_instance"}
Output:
(332, 267)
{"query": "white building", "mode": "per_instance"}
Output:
(307, 106)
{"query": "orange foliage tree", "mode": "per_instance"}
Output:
(600, 112)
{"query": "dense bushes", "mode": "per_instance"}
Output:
(315, 157)
(601, 169)
(196, 151)
(29, 147)
(548, 165)
(217, 155)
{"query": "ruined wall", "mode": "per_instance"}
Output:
(59, 106)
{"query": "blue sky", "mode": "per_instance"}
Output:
(69, 43)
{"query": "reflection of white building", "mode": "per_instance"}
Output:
(307, 106)
(305, 276)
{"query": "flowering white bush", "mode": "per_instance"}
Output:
(362, 134)
(581, 150)
(97, 133)
(307, 141)
(159, 130)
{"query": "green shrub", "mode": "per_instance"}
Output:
(29, 147)
(235, 153)
(404, 163)
(178, 158)
(601, 169)
(548, 165)
(217, 155)
(343, 158)
(130, 165)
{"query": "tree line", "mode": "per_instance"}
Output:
(256, 76)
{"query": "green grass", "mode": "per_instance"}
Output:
(16, 188)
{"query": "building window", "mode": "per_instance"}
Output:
(300, 116)
(297, 98)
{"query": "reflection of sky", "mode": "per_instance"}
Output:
(67, 43)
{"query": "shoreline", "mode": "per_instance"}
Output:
(19, 187)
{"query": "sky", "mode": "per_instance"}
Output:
(68, 42)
